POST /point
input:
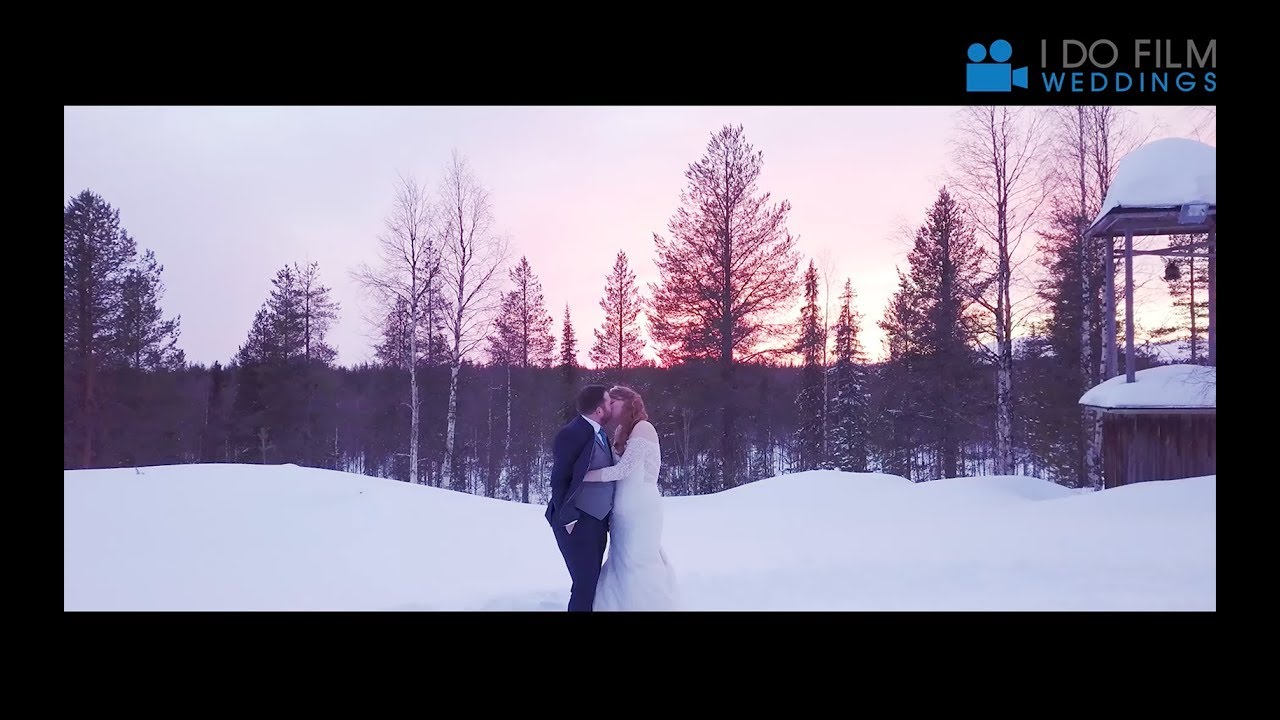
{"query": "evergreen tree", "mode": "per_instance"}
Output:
(901, 381)
(394, 350)
(213, 440)
(618, 343)
(301, 312)
(809, 440)
(933, 319)
(110, 318)
(1055, 434)
(568, 343)
(568, 366)
(523, 341)
(849, 407)
(260, 364)
(282, 363)
(147, 340)
(319, 311)
(262, 345)
(524, 326)
(727, 269)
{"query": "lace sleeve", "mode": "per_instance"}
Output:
(632, 462)
(642, 448)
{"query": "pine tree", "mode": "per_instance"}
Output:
(97, 257)
(901, 394)
(809, 440)
(143, 421)
(728, 268)
(523, 341)
(148, 341)
(319, 312)
(284, 312)
(255, 354)
(394, 350)
(262, 345)
(1056, 435)
(301, 312)
(568, 366)
(730, 263)
(618, 343)
(849, 408)
(934, 316)
(568, 346)
(523, 326)
(904, 321)
(283, 359)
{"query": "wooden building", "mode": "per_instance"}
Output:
(1162, 426)
(1160, 423)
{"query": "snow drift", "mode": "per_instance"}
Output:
(248, 537)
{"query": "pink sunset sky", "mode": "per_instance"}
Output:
(227, 196)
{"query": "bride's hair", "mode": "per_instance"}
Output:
(632, 413)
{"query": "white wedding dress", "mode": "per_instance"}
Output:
(637, 574)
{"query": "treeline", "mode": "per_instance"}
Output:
(473, 375)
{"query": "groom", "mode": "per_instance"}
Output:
(579, 511)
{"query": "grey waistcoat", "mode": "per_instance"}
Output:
(596, 498)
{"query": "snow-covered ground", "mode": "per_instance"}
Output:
(249, 537)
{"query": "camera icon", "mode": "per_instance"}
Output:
(998, 76)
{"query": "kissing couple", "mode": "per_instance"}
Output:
(604, 492)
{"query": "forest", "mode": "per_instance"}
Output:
(993, 334)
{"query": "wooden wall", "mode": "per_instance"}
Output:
(1144, 447)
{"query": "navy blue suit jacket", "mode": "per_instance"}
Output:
(571, 456)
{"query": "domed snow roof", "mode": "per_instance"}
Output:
(1165, 173)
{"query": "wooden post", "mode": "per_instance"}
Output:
(1128, 307)
(1110, 344)
(1213, 295)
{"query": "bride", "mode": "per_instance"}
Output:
(637, 574)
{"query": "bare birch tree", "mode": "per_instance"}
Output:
(827, 268)
(474, 262)
(410, 273)
(1112, 135)
(999, 170)
(1075, 178)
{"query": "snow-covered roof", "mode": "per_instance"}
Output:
(1165, 173)
(1165, 386)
